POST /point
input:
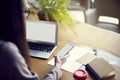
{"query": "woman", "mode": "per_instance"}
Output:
(13, 45)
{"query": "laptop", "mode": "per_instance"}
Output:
(42, 38)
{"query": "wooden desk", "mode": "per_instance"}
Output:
(41, 67)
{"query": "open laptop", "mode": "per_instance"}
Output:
(42, 38)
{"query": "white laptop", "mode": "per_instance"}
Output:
(42, 38)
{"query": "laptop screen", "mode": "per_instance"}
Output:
(41, 31)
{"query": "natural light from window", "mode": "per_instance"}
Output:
(108, 19)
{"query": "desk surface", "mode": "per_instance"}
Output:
(41, 67)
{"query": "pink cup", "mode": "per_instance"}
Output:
(80, 74)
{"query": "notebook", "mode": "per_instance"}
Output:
(42, 38)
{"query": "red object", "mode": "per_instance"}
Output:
(80, 74)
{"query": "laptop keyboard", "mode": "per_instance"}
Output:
(41, 47)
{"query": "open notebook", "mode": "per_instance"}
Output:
(42, 38)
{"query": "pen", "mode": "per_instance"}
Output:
(94, 50)
(68, 52)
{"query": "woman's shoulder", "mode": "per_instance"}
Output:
(10, 54)
(8, 46)
(8, 50)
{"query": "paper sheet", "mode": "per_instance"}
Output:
(68, 66)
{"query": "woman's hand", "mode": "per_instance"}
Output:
(60, 61)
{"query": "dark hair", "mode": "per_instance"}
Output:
(12, 24)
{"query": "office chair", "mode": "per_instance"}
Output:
(109, 8)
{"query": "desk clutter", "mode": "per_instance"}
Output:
(79, 55)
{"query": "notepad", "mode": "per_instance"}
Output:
(86, 58)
